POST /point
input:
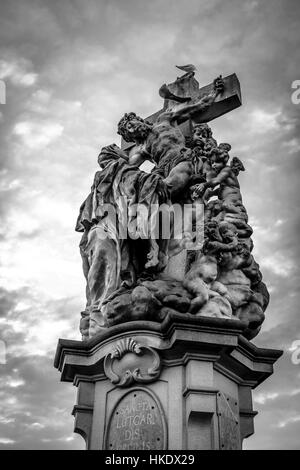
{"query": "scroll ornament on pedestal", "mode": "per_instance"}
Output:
(131, 362)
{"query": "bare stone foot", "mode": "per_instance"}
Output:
(163, 261)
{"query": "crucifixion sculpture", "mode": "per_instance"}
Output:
(170, 158)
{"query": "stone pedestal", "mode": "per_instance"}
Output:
(183, 384)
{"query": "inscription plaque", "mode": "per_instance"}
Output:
(229, 430)
(137, 423)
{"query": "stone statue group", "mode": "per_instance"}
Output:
(128, 278)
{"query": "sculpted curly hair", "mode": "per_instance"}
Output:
(237, 164)
(225, 147)
(122, 125)
(223, 154)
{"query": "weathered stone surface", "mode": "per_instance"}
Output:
(135, 304)
(227, 233)
(166, 317)
(201, 358)
(136, 276)
(136, 423)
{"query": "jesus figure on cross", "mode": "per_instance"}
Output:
(163, 142)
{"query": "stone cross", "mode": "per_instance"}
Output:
(188, 86)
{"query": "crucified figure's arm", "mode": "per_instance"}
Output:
(187, 111)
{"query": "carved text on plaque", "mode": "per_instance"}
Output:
(137, 423)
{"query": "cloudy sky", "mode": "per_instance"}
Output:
(71, 69)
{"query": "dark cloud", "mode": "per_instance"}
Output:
(36, 411)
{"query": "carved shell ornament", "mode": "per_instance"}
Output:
(124, 346)
(130, 362)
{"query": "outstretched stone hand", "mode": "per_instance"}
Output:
(219, 84)
(198, 190)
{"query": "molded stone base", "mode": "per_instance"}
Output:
(183, 384)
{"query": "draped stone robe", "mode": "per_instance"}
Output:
(111, 258)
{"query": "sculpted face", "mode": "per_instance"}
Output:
(133, 128)
(227, 233)
(218, 166)
(203, 129)
(199, 137)
(137, 129)
(208, 273)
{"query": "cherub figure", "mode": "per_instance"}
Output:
(203, 146)
(220, 238)
(248, 295)
(227, 189)
(202, 137)
(211, 296)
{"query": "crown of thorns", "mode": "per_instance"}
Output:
(123, 122)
